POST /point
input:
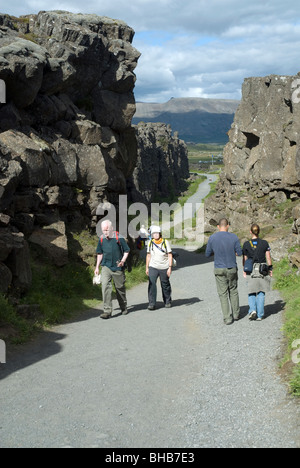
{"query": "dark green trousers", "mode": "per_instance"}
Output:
(227, 286)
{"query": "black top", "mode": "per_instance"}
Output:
(256, 249)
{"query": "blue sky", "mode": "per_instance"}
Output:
(197, 48)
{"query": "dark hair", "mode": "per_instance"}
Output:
(223, 222)
(255, 229)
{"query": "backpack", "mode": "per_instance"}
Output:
(117, 237)
(175, 254)
(262, 268)
(152, 244)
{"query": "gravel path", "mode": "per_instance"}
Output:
(174, 378)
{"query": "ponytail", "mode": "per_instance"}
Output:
(255, 229)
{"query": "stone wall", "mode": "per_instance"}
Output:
(162, 164)
(66, 141)
(261, 176)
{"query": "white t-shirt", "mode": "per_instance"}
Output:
(159, 255)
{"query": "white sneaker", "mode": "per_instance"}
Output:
(253, 315)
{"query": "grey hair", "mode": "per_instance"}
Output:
(108, 222)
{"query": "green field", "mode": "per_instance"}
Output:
(203, 152)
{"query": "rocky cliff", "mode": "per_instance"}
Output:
(261, 178)
(162, 164)
(66, 141)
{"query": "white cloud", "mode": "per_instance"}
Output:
(198, 47)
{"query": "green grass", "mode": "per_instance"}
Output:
(61, 293)
(193, 188)
(17, 328)
(288, 283)
(203, 152)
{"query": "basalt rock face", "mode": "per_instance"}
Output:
(261, 177)
(66, 141)
(162, 165)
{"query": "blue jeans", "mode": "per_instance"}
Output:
(257, 303)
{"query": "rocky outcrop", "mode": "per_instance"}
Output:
(162, 164)
(261, 177)
(66, 141)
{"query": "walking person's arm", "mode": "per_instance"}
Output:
(209, 250)
(147, 263)
(238, 248)
(269, 262)
(122, 262)
(244, 260)
(170, 256)
(99, 260)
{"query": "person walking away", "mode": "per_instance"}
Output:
(159, 263)
(225, 247)
(258, 281)
(112, 253)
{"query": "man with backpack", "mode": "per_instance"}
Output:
(112, 253)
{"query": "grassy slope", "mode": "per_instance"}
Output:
(288, 283)
(61, 293)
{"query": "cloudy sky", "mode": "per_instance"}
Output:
(197, 48)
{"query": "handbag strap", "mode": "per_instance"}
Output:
(159, 248)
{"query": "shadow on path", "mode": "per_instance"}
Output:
(270, 309)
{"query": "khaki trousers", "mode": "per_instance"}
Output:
(119, 281)
(227, 286)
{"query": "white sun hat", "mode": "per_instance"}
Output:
(155, 229)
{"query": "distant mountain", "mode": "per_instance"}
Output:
(197, 120)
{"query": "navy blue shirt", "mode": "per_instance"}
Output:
(112, 250)
(225, 246)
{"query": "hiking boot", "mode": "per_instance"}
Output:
(105, 315)
(228, 322)
(253, 315)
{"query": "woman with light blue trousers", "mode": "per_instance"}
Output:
(258, 252)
